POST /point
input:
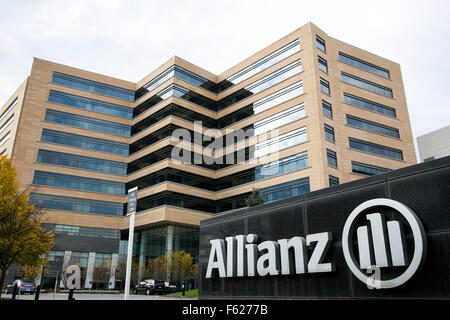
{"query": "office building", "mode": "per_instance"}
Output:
(82, 139)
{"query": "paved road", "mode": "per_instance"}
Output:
(64, 296)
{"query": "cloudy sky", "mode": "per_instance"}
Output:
(128, 39)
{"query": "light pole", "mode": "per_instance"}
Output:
(131, 212)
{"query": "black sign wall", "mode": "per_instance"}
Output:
(423, 189)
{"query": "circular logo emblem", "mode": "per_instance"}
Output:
(383, 244)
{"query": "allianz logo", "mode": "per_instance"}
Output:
(381, 244)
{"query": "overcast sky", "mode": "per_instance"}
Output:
(129, 39)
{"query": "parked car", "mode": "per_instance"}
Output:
(171, 287)
(23, 286)
(150, 287)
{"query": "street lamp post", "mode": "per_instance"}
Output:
(131, 212)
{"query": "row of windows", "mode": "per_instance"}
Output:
(359, 102)
(367, 169)
(262, 84)
(87, 123)
(268, 102)
(273, 193)
(92, 86)
(80, 231)
(286, 190)
(180, 92)
(281, 142)
(274, 168)
(188, 76)
(7, 123)
(365, 146)
(280, 119)
(369, 105)
(282, 166)
(279, 97)
(265, 62)
(88, 104)
(173, 71)
(375, 149)
(365, 84)
(83, 142)
(5, 138)
(78, 183)
(363, 65)
(81, 162)
(7, 110)
(177, 91)
(47, 201)
(372, 126)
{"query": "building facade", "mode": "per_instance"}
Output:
(82, 139)
(434, 145)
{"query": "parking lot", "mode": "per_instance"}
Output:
(87, 296)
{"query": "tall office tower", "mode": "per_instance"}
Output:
(82, 139)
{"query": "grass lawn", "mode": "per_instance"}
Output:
(188, 293)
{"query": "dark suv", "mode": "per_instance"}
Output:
(150, 287)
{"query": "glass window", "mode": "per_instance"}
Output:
(286, 190)
(266, 62)
(367, 85)
(102, 260)
(278, 98)
(331, 158)
(10, 107)
(78, 183)
(262, 84)
(79, 258)
(270, 101)
(282, 166)
(81, 231)
(372, 126)
(84, 142)
(81, 162)
(323, 65)
(174, 71)
(177, 91)
(369, 105)
(329, 133)
(280, 119)
(47, 201)
(327, 109)
(92, 86)
(87, 123)
(325, 86)
(363, 65)
(90, 104)
(7, 123)
(281, 142)
(56, 257)
(333, 181)
(367, 169)
(5, 138)
(375, 149)
(320, 43)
